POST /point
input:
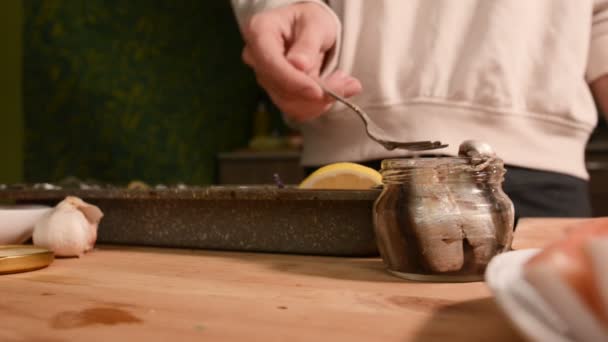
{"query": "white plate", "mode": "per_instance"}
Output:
(17, 222)
(519, 300)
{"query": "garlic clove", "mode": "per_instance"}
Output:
(93, 215)
(70, 229)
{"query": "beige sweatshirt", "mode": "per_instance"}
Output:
(513, 73)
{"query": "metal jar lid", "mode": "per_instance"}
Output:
(23, 258)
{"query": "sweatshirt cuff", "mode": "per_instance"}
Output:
(244, 9)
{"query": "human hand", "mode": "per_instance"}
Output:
(286, 47)
(600, 92)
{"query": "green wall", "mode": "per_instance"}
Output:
(11, 121)
(120, 90)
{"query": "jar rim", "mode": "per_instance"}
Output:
(450, 169)
(423, 162)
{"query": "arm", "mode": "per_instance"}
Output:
(597, 67)
(289, 44)
(245, 9)
(600, 92)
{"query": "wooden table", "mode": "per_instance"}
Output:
(143, 294)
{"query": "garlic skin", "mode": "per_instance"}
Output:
(70, 229)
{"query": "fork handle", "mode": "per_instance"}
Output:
(362, 115)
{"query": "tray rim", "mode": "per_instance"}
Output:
(214, 192)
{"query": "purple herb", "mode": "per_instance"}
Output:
(277, 181)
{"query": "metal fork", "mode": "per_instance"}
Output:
(378, 134)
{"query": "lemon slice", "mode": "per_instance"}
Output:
(342, 176)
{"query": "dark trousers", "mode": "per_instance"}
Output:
(546, 194)
(540, 193)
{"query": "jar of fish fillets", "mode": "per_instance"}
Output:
(443, 218)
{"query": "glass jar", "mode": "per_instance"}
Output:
(442, 219)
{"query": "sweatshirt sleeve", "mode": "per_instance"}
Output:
(597, 64)
(244, 9)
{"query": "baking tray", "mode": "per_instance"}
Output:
(237, 218)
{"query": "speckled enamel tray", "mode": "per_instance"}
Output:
(242, 218)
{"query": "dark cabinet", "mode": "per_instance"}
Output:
(246, 167)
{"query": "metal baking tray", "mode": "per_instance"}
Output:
(237, 218)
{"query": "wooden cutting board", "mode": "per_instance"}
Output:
(151, 294)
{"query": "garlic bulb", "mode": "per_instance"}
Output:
(70, 229)
(476, 149)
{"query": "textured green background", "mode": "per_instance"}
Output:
(11, 120)
(120, 90)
